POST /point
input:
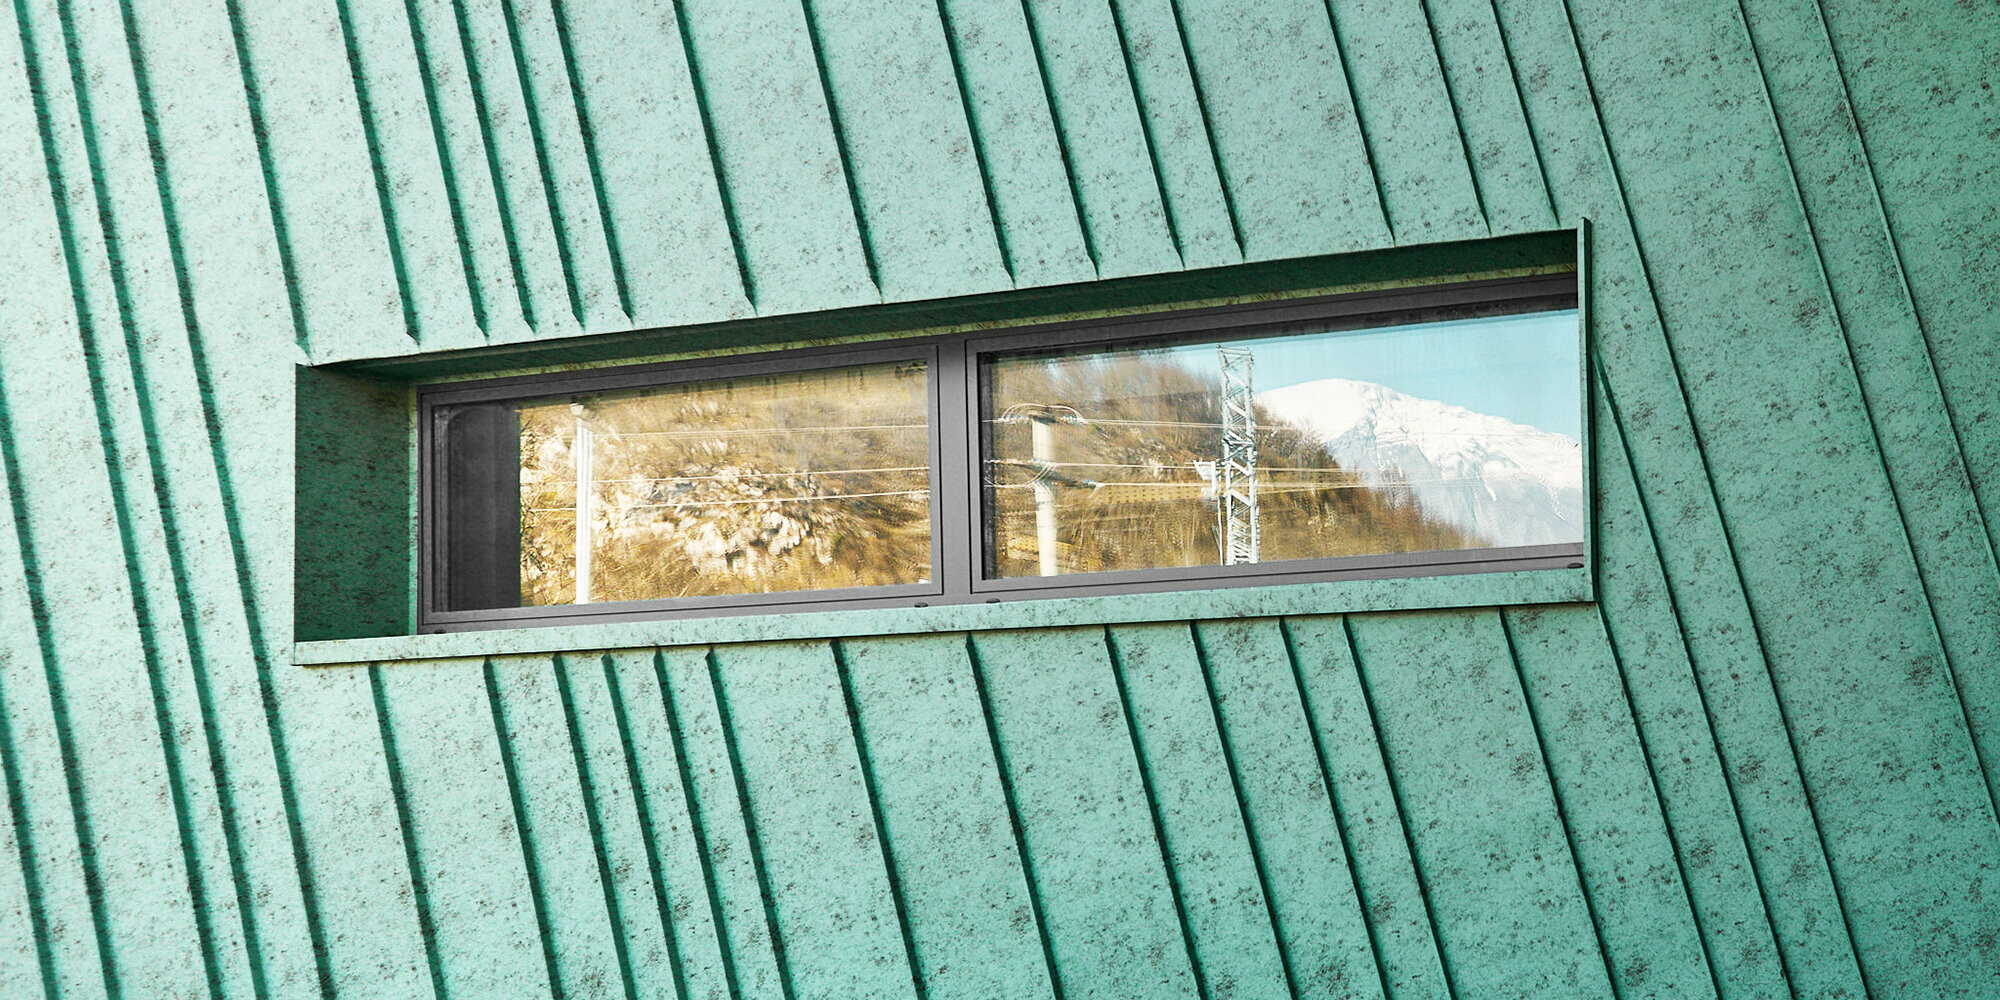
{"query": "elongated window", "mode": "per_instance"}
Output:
(1383, 434)
(1451, 435)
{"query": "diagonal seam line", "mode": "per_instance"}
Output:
(384, 193)
(691, 800)
(1033, 884)
(587, 787)
(728, 203)
(1402, 812)
(978, 142)
(588, 132)
(868, 780)
(1333, 802)
(1208, 130)
(649, 839)
(1701, 692)
(502, 203)
(750, 834)
(1715, 498)
(524, 829)
(1868, 411)
(1562, 812)
(1244, 812)
(412, 855)
(254, 104)
(1153, 809)
(1660, 802)
(1146, 131)
(1902, 269)
(559, 219)
(1062, 138)
(420, 45)
(1360, 123)
(189, 615)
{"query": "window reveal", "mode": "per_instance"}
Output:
(1398, 434)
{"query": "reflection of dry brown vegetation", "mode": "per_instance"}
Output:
(733, 488)
(1310, 510)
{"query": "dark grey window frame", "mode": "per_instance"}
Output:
(957, 529)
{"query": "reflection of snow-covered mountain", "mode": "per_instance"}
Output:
(1509, 483)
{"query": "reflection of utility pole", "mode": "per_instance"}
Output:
(586, 485)
(1041, 419)
(1239, 458)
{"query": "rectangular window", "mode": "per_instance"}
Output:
(1404, 433)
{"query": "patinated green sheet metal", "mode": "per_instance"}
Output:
(1761, 764)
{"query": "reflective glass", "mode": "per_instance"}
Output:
(809, 480)
(1460, 434)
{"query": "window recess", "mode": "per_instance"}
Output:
(1404, 433)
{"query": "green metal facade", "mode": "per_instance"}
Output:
(1761, 764)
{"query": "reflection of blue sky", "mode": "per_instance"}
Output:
(1524, 368)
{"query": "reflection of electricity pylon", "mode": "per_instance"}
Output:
(1239, 458)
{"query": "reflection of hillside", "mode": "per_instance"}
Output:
(798, 482)
(1133, 498)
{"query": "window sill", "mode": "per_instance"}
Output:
(1540, 586)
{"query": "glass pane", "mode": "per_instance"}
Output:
(1437, 436)
(798, 481)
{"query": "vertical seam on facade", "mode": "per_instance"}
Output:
(544, 173)
(589, 135)
(1208, 130)
(1153, 810)
(1014, 815)
(1902, 270)
(978, 142)
(692, 802)
(1457, 117)
(750, 835)
(385, 197)
(1360, 123)
(1062, 138)
(1700, 691)
(1868, 409)
(841, 148)
(1402, 814)
(1333, 802)
(412, 854)
(647, 837)
(587, 789)
(1562, 814)
(1146, 131)
(1244, 812)
(1715, 497)
(190, 618)
(517, 801)
(728, 203)
(476, 84)
(1660, 802)
(420, 46)
(280, 233)
(868, 784)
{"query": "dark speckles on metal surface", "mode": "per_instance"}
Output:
(1761, 766)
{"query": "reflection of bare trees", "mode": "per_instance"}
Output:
(1133, 497)
(807, 481)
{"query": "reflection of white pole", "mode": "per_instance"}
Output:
(1042, 438)
(585, 486)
